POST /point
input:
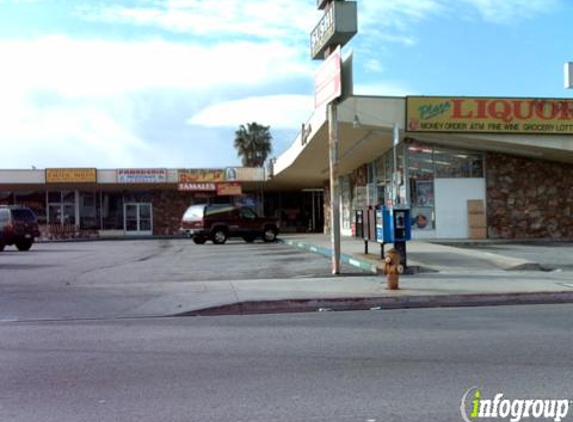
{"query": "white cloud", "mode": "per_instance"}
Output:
(277, 18)
(391, 89)
(278, 111)
(78, 102)
(395, 21)
(97, 68)
(507, 11)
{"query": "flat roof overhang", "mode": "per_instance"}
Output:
(307, 166)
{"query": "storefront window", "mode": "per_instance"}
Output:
(452, 163)
(62, 207)
(345, 202)
(421, 185)
(112, 211)
(89, 211)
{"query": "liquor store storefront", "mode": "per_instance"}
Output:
(499, 168)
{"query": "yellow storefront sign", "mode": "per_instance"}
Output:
(489, 115)
(201, 175)
(71, 175)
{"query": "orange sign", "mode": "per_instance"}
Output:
(490, 115)
(80, 175)
(201, 175)
(229, 189)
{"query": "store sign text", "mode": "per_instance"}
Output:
(71, 175)
(201, 175)
(142, 175)
(494, 115)
(197, 187)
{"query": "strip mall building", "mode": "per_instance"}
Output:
(467, 167)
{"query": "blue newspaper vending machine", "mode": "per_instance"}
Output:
(393, 226)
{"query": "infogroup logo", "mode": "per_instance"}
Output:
(475, 407)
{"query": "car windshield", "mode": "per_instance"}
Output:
(24, 215)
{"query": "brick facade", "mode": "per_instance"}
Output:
(528, 198)
(168, 208)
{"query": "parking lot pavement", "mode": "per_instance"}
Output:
(112, 278)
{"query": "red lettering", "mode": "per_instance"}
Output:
(481, 109)
(503, 113)
(547, 106)
(565, 110)
(518, 110)
(457, 111)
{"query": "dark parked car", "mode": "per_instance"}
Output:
(18, 226)
(219, 222)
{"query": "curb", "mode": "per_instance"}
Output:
(364, 265)
(380, 303)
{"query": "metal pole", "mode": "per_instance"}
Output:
(334, 188)
(396, 140)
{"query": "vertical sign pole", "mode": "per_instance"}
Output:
(334, 186)
(396, 141)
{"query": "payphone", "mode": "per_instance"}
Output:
(393, 226)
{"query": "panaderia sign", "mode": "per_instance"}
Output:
(541, 116)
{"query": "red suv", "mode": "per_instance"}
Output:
(18, 226)
(219, 222)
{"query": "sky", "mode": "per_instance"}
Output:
(166, 83)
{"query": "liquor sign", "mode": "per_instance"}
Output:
(71, 175)
(490, 115)
(197, 187)
(328, 80)
(229, 189)
(336, 27)
(142, 175)
(201, 175)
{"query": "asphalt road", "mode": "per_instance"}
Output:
(408, 365)
(114, 278)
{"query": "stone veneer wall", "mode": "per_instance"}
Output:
(528, 198)
(168, 208)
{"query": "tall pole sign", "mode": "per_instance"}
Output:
(336, 27)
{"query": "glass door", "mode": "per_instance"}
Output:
(138, 219)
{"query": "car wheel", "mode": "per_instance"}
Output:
(219, 236)
(2, 246)
(24, 245)
(270, 234)
(249, 239)
(199, 240)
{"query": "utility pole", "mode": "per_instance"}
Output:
(337, 26)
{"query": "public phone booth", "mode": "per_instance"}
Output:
(393, 226)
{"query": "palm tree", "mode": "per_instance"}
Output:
(253, 144)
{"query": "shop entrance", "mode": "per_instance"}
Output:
(138, 219)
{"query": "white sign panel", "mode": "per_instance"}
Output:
(142, 175)
(328, 80)
(568, 75)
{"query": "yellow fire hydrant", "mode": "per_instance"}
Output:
(392, 268)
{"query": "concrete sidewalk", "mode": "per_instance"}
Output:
(423, 256)
(446, 276)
